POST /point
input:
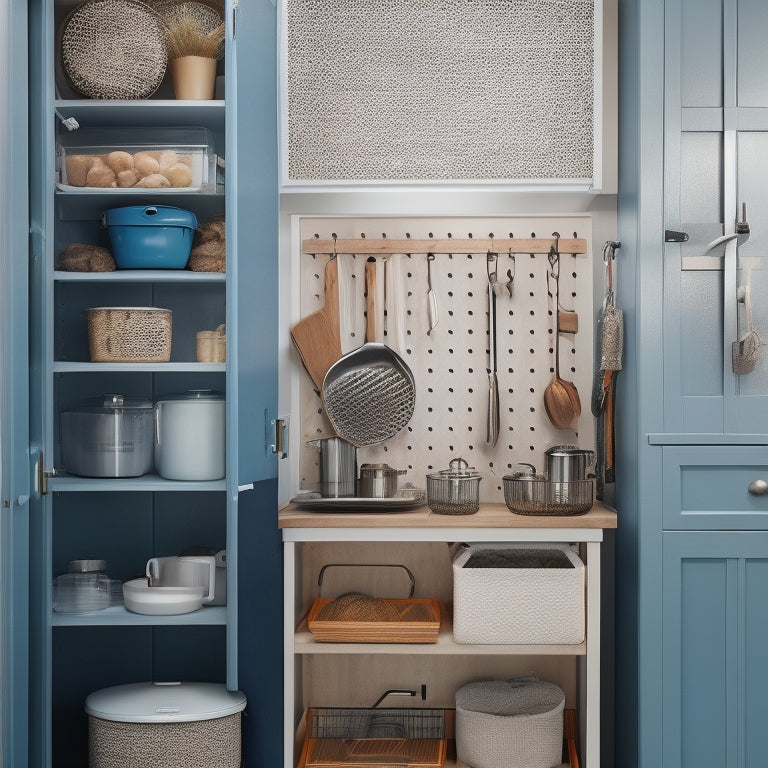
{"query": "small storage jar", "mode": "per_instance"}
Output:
(150, 236)
(190, 436)
(454, 491)
(510, 724)
(150, 725)
(110, 436)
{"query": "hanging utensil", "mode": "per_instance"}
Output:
(744, 352)
(431, 296)
(611, 351)
(492, 433)
(317, 337)
(561, 398)
(369, 394)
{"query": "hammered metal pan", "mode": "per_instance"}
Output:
(369, 393)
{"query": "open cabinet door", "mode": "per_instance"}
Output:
(14, 391)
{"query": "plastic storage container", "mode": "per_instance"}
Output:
(518, 594)
(150, 236)
(148, 725)
(141, 160)
(190, 436)
(108, 437)
(510, 724)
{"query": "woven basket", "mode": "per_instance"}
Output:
(518, 594)
(211, 346)
(205, 744)
(129, 334)
(113, 49)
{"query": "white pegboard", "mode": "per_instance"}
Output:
(450, 365)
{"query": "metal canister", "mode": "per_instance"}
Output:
(567, 463)
(338, 467)
(378, 481)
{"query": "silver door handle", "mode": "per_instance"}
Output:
(758, 487)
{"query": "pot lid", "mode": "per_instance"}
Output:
(194, 394)
(149, 216)
(112, 403)
(566, 450)
(457, 468)
(164, 702)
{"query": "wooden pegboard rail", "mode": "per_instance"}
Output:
(383, 246)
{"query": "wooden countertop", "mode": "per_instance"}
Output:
(488, 516)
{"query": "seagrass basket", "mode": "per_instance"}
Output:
(129, 334)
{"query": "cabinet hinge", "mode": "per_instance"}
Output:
(278, 436)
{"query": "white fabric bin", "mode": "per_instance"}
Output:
(518, 594)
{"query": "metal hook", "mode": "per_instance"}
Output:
(333, 235)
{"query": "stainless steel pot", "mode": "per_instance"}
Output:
(454, 491)
(378, 481)
(567, 463)
(338, 466)
(110, 436)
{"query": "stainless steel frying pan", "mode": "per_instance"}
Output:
(369, 394)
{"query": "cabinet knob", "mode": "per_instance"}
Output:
(758, 487)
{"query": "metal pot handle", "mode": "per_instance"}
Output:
(363, 565)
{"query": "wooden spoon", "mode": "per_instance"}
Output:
(561, 398)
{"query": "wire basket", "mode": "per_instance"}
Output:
(534, 496)
(129, 334)
(377, 723)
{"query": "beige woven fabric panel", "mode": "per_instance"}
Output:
(439, 89)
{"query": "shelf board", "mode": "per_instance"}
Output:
(140, 276)
(489, 516)
(118, 112)
(71, 483)
(185, 367)
(304, 643)
(119, 616)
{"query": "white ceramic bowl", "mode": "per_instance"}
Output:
(139, 597)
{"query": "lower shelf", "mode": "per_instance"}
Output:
(119, 616)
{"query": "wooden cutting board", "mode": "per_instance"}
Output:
(317, 337)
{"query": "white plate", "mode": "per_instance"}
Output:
(139, 597)
(405, 499)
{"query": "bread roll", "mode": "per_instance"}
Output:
(153, 181)
(77, 167)
(168, 158)
(120, 161)
(179, 175)
(100, 175)
(146, 163)
(127, 179)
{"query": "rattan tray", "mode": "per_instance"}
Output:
(419, 623)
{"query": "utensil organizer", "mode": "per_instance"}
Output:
(450, 363)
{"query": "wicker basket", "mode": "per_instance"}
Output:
(129, 334)
(211, 346)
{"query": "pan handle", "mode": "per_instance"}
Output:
(370, 299)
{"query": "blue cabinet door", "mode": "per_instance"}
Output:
(714, 671)
(14, 383)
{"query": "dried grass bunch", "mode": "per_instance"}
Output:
(193, 29)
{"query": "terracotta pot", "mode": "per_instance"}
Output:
(193, 77)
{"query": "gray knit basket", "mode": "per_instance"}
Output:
(510, 724)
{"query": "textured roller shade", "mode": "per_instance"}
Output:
(439, 90)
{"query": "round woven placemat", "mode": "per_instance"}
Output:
(114, 49)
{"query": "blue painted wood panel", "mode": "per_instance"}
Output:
(714, 670)
(707, 487)
(752, 36)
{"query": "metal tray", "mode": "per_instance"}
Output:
(404, 499)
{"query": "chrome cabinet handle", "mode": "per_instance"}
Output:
(758, 487)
